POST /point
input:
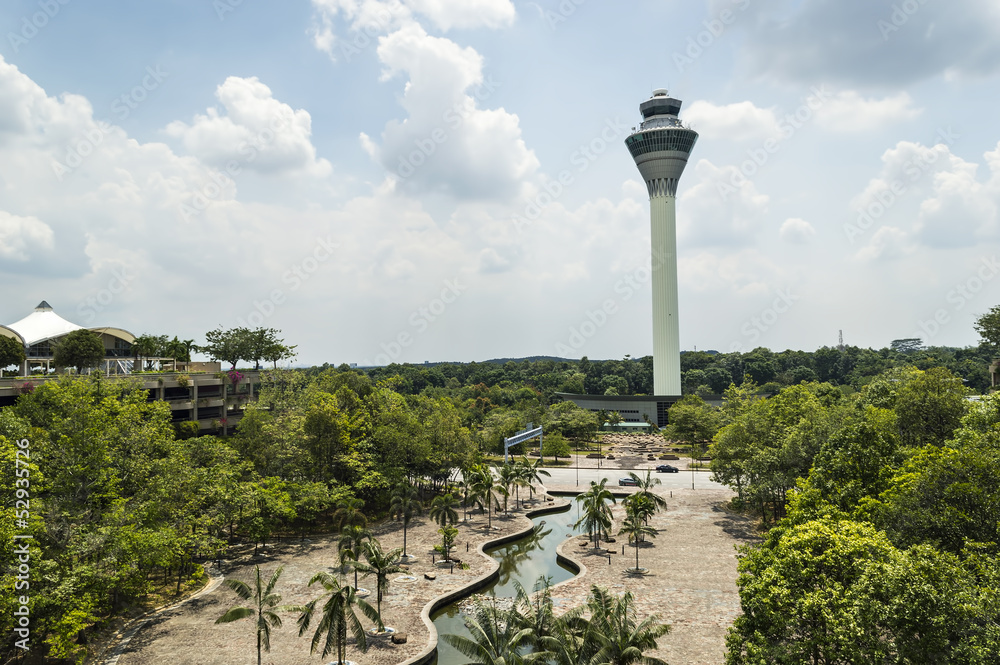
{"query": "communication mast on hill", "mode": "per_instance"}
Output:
(840, 343)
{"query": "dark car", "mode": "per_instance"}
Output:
(627, 481)
(666, 468)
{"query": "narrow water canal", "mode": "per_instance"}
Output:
(523, 561)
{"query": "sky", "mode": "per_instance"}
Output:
(446, 180)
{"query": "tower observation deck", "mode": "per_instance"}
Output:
(660, 147)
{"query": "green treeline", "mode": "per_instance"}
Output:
(701, 373)
(885, 514)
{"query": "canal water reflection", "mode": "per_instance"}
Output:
(523, 561)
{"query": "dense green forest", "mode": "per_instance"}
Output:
(884, 511)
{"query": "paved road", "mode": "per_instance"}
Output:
(669, 481)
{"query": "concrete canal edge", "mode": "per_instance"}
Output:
(430, 651)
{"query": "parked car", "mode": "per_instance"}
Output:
(627, 481)
(666, 468)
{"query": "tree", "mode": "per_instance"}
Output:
(988, 327)
(266, 607)
(484, 490)
(692, 421)
(147, 346)
(349, 546)
(533, 472)
(405, 504)
(230, 346)
(906, 345)
(555, 446)
(616, 632)
(596, 517)
(349, 513)
(443, 512)
(802, 593)
(497, 637)
(380, 564)
(635, 527)
(929, 407)
(11, 352)
(645, 489)
(508, 478)
(80, 349)
(336, 617)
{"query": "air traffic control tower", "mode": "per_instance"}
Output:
(660, 148)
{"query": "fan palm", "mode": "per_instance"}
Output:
(266, 605)
(381, 565)
(405, 505)
(336, 617)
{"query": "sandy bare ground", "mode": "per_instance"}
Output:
(691, 578)
(690, 584)
(187, 635)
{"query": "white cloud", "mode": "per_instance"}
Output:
(448, 14)
(742, 121)
(448, 143)
(381, 15)
(745, 273)
(848, 111)
(714, 212)
(22, 237)
(887, 242)
(797, 231)
(931, 195)
(258, 131)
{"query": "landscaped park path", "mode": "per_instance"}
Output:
(690, 584)
(691, 578)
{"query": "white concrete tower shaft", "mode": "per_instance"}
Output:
(660, 148)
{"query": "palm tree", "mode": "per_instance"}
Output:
(337, 616)
(596, 517)
(497, 638)
(443, 512)
(349, 513)
(636, 528)
(484, 490)
(616, 637)
(646, 486)
(405, 505)
(639, 505)
(508, 478)
(349, 546)
(534, 611)
(533, 473)
(381, 564)
(266, 602)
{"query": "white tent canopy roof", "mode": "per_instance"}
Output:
(42, 324)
